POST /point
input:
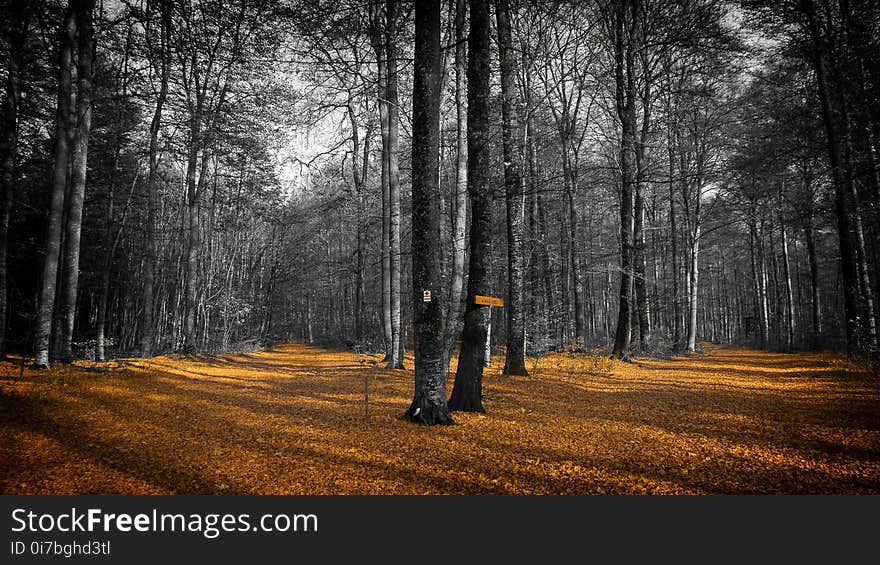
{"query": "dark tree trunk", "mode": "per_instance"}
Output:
(842, 206)
(193, 239)
(624, 54)
(467, 392)
(429, 400)
(514, 363)
(16, 32)
(46, 305)
(76, 195)
(815, 302)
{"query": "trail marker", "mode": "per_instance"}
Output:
(426, 296)
(488, 300)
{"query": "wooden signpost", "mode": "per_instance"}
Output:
(488, 300)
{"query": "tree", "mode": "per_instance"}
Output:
(76, 194)
(514, 363)
(15, 27)
(460, 200)
(46, 304)
(148, 327)
(624, 22)
(429, 399)
(467, 391)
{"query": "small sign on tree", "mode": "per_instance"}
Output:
(426, 296)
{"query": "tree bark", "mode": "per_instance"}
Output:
(17, 29)
(429, 399)
(76, 195)
(514, 363)
(624, 55)
(397, 346)
(639, 258)
(815, 301)
(377, 37)
(694, 279)
(467, 392)
(789, 294)
(842, 206)
(459, 204)
(673, 230)
(46, 304)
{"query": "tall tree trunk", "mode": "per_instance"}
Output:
(193, 242)
(815, 301)
(575, 264)
(694, 279)
(842, 207)
(541, 231)
(397, 346)
(639, 258)
(377, 37)
(673, 231)
(16, 23)
(46, 305)
(429, 399)
(359, 175)
(757, 274)
(459, 204)
(76, 195)
(789, 295)
(514, 363)
(624, 55)
(467, 392)
(148, 323)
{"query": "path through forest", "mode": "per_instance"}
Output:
(292, 421)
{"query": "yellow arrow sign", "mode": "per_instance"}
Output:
(488, 300)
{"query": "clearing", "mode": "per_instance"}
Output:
(291, 421)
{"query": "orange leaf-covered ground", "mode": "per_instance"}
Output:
(291, 421)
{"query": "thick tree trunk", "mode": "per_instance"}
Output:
(16, 26)
(514, 363)
(429, 400)
(76, 195)
(46, 304)
(624, 54)
(460, 201)
(397, 346)
(842, 206)
(467, 392)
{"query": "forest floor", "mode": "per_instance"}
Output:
(291, 421)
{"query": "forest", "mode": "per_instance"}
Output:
(452, 193)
